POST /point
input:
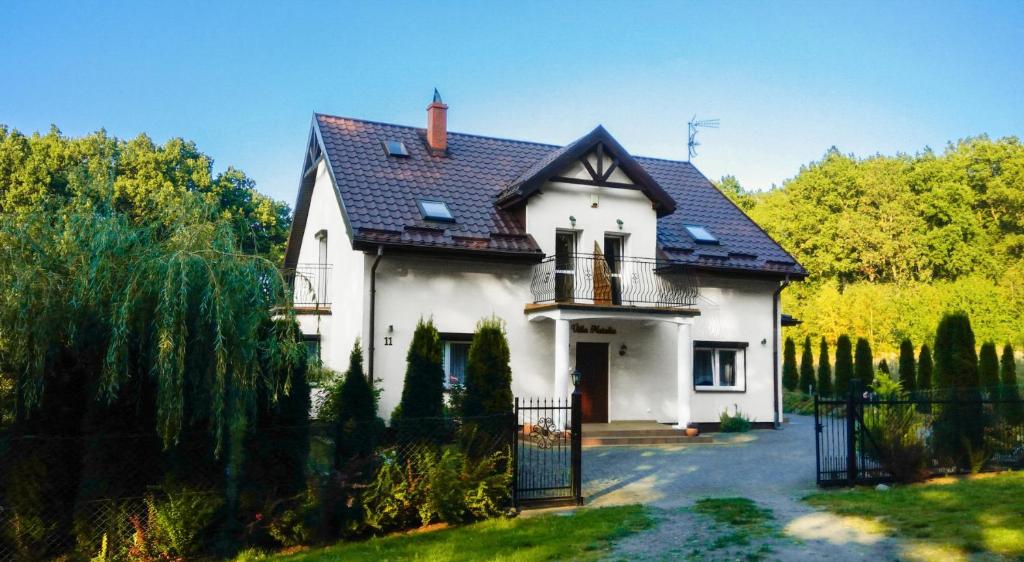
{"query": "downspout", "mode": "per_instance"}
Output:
(373, 309)
(775, 349)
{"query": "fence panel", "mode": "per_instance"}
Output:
(866, 439)
(548, 451)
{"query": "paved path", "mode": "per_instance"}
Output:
(773, 468)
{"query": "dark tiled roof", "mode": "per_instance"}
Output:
(379, 194)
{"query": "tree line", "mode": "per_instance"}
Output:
(893, 242)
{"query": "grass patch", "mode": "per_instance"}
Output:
(586, 534)
(743, 522)
(795, 402)
(958, 516)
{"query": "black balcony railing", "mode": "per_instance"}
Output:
(624, 281)
(310, 285)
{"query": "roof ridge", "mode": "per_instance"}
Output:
(479, 136)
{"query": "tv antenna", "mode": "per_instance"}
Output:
(693, 126)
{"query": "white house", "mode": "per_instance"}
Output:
(637, 271)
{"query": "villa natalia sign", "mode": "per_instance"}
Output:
(592, 329)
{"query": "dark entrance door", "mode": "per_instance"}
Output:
(592, 361)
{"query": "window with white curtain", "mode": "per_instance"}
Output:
(719, 366)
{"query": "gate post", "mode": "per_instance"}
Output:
(577, 445)
(817, 442)
(514, 423)
(851, 431)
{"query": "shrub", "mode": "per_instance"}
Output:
(883, 367)
(907, 368)
(356, 428)
(790, 375)
(924, 378)
(895, 433)
(175, 527)
(844, 365)
(794, 402)
(807, 382)
(824, 370)
(735, 423)
(863, 363)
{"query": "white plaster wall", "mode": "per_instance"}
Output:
(339, 329)
(549, 211)
(738, 310)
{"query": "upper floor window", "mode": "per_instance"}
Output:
(719, 366)
(321, 238)
(435, 210)
(701, 234)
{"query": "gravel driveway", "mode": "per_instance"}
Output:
(773, 468)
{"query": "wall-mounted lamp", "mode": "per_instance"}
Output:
(619, 222)
(391, 328)
(576, 376)
(572, 221)
(764, 341)
(622, 350)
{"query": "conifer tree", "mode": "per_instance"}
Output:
(844, 365)
(925, 366)
(488, 374)
(807, 382)
(824, 370)
(863, 363)
(422, 403)
(959, 424)
(1012, 410)
(356, 419)
(790, 375)
(988, 367)
(908, 376)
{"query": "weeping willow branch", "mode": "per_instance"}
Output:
(177, 302)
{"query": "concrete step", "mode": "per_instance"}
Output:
(589, 441)
(666, 431)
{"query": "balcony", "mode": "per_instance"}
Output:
(594, 279)
(310, 286)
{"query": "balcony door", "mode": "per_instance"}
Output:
(613, 247)
(565, 265)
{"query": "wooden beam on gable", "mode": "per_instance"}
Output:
(590, 169)
(596, 183)
(610, 170)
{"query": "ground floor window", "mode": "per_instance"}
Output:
(719, 366)
(456, 356)
(312, 345)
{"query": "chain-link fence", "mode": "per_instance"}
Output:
(129, 497)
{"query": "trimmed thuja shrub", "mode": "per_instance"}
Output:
(824, 370)
(1012, 410)
(883, 367)
(907, 368)
(988, 367)
(844, 365)
(487, 401)
(807, 382)
(959, 424)
(790, 375)
(863, 363)
(422, 404)
(356, 426)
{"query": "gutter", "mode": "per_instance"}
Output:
(775, 349)
(373, 310)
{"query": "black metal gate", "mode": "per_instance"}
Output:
(839, 426)
(548, 451)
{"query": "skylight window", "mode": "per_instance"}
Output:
(396, 148)
(701, 234)
(435, 211)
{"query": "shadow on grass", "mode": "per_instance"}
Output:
(960, 517)
(581, 535)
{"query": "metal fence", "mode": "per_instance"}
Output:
(866, 439)
(106, 496)
(597, 279)
(548, 451)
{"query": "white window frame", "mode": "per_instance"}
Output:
(741, 366)
(446, 359)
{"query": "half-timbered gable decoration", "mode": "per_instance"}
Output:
(596, 159)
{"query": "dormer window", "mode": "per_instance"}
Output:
(396, 149)
(701, 234)
(435, 211)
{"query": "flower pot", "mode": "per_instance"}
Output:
(692, 432)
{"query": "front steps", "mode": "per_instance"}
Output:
(636, 433)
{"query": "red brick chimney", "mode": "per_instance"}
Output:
(437, 124)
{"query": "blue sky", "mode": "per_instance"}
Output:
(787, 80)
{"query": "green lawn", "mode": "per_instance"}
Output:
(582, 535)
(952, 517)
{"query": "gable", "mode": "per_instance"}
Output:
(596, 168)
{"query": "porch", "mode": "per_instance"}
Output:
(640, 432)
